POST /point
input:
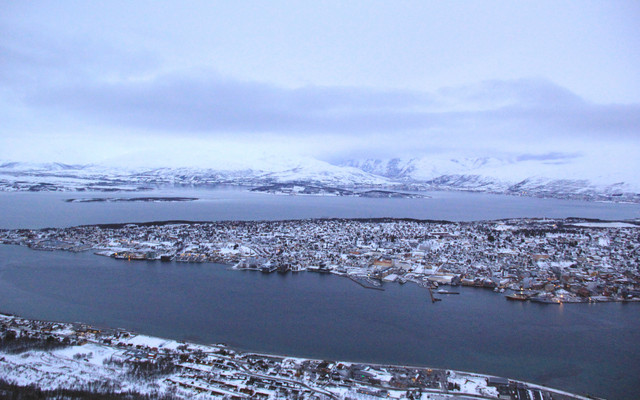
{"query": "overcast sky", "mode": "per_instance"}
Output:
(93, 81)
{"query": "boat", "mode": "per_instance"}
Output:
(444, 291)
(517, 297)
(545, 300)
(268, 268)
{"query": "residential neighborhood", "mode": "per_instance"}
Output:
(544, 260)
(81, 357)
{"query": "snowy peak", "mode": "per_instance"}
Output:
(243, 172)
(550, 175)
(426, 168)
(394, 168)
(53, 166)
(525, 174)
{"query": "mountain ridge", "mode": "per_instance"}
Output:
(528, 176)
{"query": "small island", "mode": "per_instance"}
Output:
(301, 188)
(129, 199)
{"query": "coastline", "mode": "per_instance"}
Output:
(557, 261)
(229, 364)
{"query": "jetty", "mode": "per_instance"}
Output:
(366, 282)
(433, 298)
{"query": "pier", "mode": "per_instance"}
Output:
(366, 282)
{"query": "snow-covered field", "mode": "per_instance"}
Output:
(75, 367)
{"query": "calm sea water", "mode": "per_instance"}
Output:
(38, 210)
(582, 348)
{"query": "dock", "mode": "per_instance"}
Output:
(366, 282)
(433, 299)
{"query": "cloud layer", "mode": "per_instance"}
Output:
(63, 95)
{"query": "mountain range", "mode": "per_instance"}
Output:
(561, 176)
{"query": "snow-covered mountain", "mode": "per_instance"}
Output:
(311, 171)
(57, 176)
(563, 176)
(550, 175)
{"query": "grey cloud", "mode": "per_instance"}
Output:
(210, 103)
(584, 120)
(551, 156)
(123, 89)
(36, 62)
(521, 93)
(76, 73)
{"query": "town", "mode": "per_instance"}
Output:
(550, 261)
(79, 357)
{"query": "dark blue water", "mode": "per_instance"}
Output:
(39, 210)
(582, 348)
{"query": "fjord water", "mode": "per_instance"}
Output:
(39, 210)
(577, 347)
(583, 348)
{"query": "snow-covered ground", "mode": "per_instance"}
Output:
(472, 384)
(103, 361)
(74, 367)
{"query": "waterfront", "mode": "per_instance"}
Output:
(555, 260)
(189, 369)
(580, 347)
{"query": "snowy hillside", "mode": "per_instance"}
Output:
(56, 176)
(525, 175)
(562, 176)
